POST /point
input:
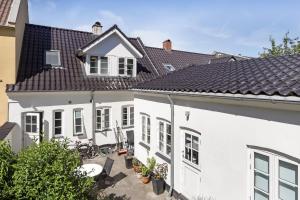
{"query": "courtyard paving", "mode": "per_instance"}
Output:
(125, 184)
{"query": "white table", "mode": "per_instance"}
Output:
(91, 170)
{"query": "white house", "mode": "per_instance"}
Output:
(74, 84)
(235, 128)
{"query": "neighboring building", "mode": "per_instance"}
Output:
(13, 16)
(235, 128)
(76, 84)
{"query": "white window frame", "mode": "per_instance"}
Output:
(59, 58)
(190, 162)
(37, 124)
(74, 123)
(126, 66)
(273, 173)
(130, 116)
(97, 63)
(54, 121)
(102, 119)
(99, 67)
(146, 129)
(163, 140)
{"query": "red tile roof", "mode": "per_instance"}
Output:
(5, 6)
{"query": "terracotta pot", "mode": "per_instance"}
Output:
(146, 179)
(136, 168)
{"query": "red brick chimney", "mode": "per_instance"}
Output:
(167, 45)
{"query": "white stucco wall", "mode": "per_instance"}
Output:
(226, 130)
(68, 101)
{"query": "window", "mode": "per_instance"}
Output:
(57, 124)
(104, 65)
(31, 123)
(126, 66)
(146, 129)
(165, 137)
(78, 122)
(94, 65)
(102, 119)
(191, 150)
(127, 116)
(273, 177)
(169, 67)
(53, 57)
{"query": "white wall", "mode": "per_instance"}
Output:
(226, 130)
(113, 48)
(68, 101)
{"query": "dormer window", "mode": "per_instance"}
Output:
(98, 66)
(126, 66)
(53, 58)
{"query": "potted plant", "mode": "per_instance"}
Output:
(145, 174)
(136, 165)
(159, 177)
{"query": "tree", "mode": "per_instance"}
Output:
(7, 159)
(289, 46)
(48, 171)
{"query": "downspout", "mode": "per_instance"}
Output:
(93, 117)
(172, 145)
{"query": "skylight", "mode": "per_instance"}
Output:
(169, 67)
(53, 58)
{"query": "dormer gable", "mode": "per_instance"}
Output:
(110, 54)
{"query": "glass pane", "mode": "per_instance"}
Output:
(129, 61)
(168, 150)
(121, 60)
(161, 127)
(258, 195)
(121, 71)
(52, 57)
(261, 162)
(57, 115)
(78, 121)
(187, 140)
(288, 172)
(161, 136)
(93, 70)
(287, 192)
(195, 158)
(104, 65)
(187, 153)
(28, 119)
(148, 139)
(77, 114)
(98, 126)
(261, 181)
(169, 139)
(34, 129)
(78, 129)
(57, 131)
(57, 123)
(28, 128)
(34, 119)
(168, 129)
(143, 127)
(98, 120)
(125, 116)
(98, 113)
(131, 115)
(161, 146)
(195, 143)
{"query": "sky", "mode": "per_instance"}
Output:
(231, 26)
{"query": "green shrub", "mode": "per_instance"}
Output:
(48, 171)
(7, 158)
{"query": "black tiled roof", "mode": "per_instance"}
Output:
(34, 76)
(267, 76)
(5, 129)
(5, 6)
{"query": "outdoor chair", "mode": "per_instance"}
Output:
(106, 170)
(130, 143)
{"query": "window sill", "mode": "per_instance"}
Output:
(77, 134)
(144, 145)
(127, 127)
(162, 156)
(196, 167)
(104, 130)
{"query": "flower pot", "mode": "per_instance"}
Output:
(128, 162)
(136, 168)
(146, 179)
(158, 186)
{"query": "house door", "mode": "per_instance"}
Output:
(191, 166)
(32, 128)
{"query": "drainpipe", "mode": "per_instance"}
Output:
(93, 117)
(172, 145)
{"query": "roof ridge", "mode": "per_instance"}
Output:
(183, 51)
(66, 29)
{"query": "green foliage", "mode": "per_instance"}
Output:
(135, 162)
(145, 171)
(151, 162)
(288, 46)
(7, 159)
(161, 171)
(48, 171)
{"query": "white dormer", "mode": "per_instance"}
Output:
(111, 54)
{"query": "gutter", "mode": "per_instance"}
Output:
(172, 145)
(92, 101)
(241, 97)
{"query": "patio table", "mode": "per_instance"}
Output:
(92, 170)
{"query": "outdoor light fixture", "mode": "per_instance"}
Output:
(187, 115)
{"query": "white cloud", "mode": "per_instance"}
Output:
(109, 17)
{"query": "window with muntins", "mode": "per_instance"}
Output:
(94, 65)
(31, 123)
(78, 122)
(146, 129)
(164, 137)
(102, 119)
(273, 177)
(191, 151)
(126, 66)
(104, 65)
(57, 124)
(53, 58)
(127, 116)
